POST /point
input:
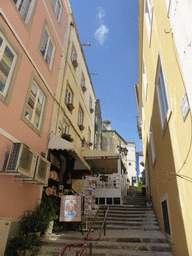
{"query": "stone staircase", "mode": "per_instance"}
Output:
(132, 230)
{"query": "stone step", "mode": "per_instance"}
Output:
(110, 250)
(128, 227)
(127, 223)
(129, 218)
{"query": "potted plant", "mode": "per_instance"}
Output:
(24, 245)
(81, 127)
(84, 88)
(90, 144)
(91, 110)
(70, 106)
(67, 137)
(75, 64)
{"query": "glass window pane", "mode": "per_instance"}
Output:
(49, 53)
(24, 8)
(44, 43)
(1, 41)
(5, 66)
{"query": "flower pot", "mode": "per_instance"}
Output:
(24, 253)
(84, 88)
(70, 106)
(50, 228)
(81, 127)
(75, 64)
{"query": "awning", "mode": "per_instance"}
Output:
(106, 161)
(56, 142)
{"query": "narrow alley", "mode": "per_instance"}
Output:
(132, 229)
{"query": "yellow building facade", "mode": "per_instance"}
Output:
(165, 125)
(74, 110)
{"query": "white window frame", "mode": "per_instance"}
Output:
(162, 95)
(55, 4)
(65, 127)
(152, 141)
(89, 135)
(80, 116)
(163, 198)
(19, 3)
(90, 102)
(149, 17)
(45, 45)
(73, 54)
(82, 80)
(145, 79)
(3, 46)
(39, 91)
(69, 95)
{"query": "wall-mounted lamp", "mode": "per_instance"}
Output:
(124, 150)
(87, 44)
(95, 74)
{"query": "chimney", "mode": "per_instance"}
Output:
(107, 125)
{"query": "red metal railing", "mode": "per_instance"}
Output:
(88, 239)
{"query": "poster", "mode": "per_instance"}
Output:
(90, 186)
(70, 210)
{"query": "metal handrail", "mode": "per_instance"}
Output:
(87, 239)
(83, 245)
(106, 210)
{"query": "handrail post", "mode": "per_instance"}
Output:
(104, 224)
(90, 252)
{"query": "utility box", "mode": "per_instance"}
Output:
(5, 224)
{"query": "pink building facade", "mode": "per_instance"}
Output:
(31, 42)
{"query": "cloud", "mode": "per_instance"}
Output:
(100, 34)
(100, 14)
(102, 31)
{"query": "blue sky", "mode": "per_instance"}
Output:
(111, 26)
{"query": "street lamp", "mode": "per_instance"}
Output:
(124, 150)
(87, 44)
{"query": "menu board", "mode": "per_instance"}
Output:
(90, 186)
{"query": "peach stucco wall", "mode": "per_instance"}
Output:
(15, 196)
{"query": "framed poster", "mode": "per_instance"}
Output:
(70, 209)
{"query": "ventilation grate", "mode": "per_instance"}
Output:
(42, 169)
(14, 157)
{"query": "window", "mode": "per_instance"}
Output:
(80, 116)
(74, 57)
(162, 94)
(47, 47)
(149, 16)
(65, 127)
(69, 96)
(145, 79)
(25, 8)
(57, 7)
(152, 144)
(166, 216)
(35, 105)
(8, 60)
(83, 83)
(89, 135)
(90, 102)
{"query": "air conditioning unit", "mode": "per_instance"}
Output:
(22, 161)
(42, 170)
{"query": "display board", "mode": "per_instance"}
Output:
(70, 210)
(90, 186)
